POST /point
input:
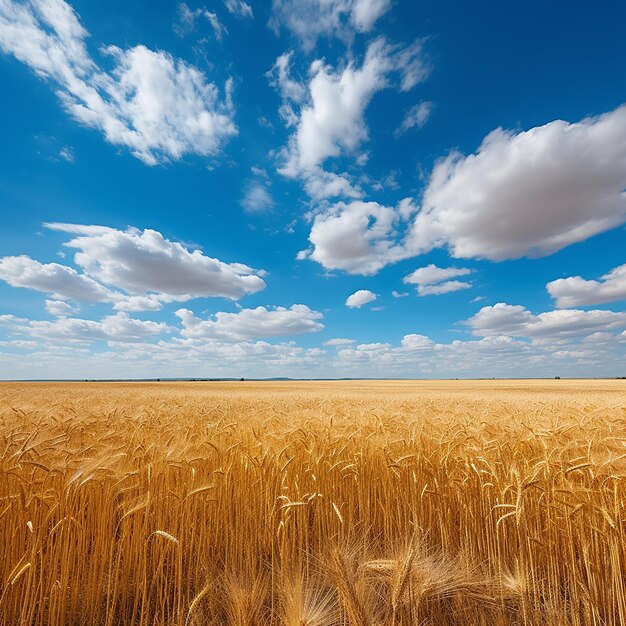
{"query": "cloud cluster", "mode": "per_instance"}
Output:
(433, 280)
(142, 262)
(134, 270)
(257, 323)
(119, 327)
(159, 107)
(576, 291)
(522, 194)
(511, 342)
(518, 321)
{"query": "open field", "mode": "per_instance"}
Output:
(313, 504)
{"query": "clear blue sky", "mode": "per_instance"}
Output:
(312, 189)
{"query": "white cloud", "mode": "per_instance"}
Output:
(72, 348)
(310, 19)
(447, 286)
(525, 194)
(333, 121)
(20, 344)
(431, 274)
(239, 8)
(59, 308)
(399, 294)
(187, 21)
(67, 154)
(158, 106)
(339, 341)
(530, 193)
(11, 320)
(58, 280)
(329, 119)
(576, 291)
(411, 64)
(499, 356)
(119, 327)
(366, 12)
(357, 237)
(138, 359)
(417, 342)
(432, 280)
(141, 270)
(252, 323)
(416, 117)
(290, 90)
(142, 262)
(518, 321)
(359, 298)
(133, 304)
(257, 198)
(322, 185)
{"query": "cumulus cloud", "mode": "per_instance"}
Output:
(433, 280)
(328, 112)
(416, 117)
(528, 193)
(309, 20)
(518, 321)
(431, 274)
(494, 355)
(357, 237)
(576, 291)
(60, 281)
(119, 327)
(133, 270)
(142, 262)
(134, 348)
(158, 106)
(359, 298)
(246, 324)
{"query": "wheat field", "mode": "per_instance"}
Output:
(313, 503)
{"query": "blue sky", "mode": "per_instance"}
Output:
(312, 188)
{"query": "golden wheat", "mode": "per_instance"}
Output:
(313, 504)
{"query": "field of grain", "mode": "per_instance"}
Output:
(313, 504)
